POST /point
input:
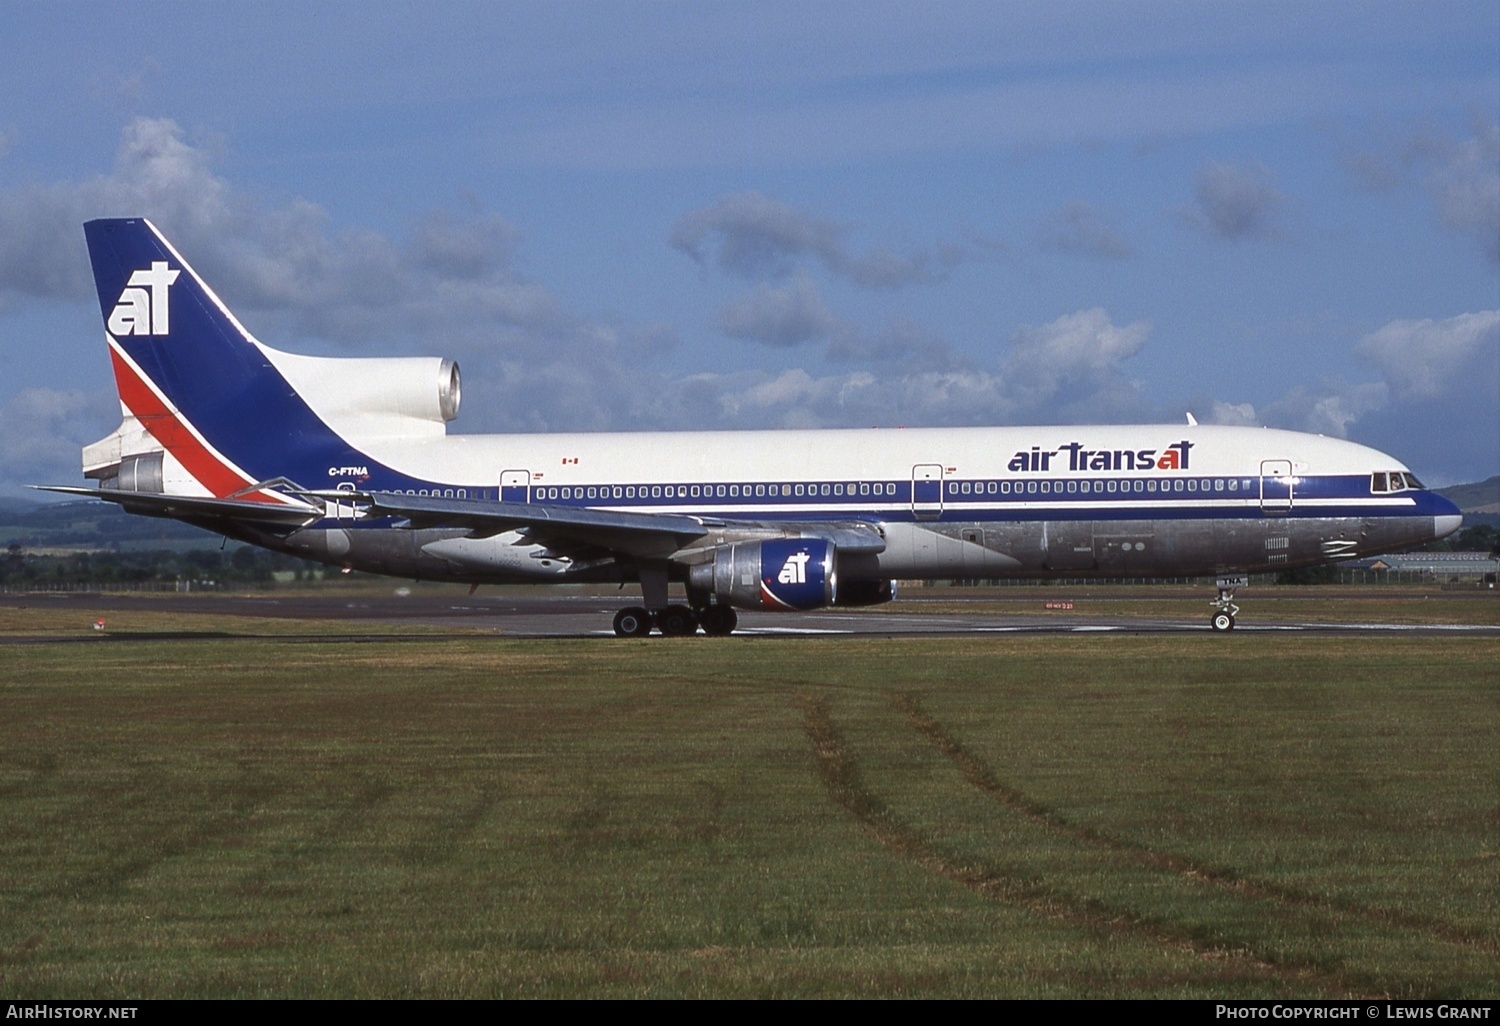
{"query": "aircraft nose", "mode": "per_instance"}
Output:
(1446, 517)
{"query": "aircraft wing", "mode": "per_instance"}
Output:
(281, 517)
(631, 534)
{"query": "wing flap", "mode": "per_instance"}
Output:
(634, 534)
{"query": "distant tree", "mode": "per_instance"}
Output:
(1325, 574)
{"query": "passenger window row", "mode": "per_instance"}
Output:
(1199, 485)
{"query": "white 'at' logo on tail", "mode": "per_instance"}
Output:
(143, 308)
(794, 570)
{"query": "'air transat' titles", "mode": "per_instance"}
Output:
(1173, 457)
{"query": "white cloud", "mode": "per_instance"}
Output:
(1069, 369)
(1426, 359)
(1231, 414)
(1327, 410)
(1073, 363)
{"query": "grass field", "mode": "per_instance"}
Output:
(1054, 815)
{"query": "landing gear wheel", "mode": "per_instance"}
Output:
(677, 622)
(718, 620)
(632, 622)
(1223, 622)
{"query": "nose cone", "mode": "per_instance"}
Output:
(1445, 517)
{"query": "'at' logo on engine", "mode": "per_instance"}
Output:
(143, 308)
(794, 570)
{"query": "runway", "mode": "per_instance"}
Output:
(544, 614)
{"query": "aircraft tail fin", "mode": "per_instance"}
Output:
(206, 411)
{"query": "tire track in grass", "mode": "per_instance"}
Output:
(983, 778)
(841, 776)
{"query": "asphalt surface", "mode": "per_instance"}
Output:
(546, 614)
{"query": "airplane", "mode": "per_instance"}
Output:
(347, 461)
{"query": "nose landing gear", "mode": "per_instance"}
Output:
(1224, 607)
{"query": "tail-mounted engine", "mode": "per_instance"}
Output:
(785, 574)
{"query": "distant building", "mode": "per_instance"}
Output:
(1440, 566)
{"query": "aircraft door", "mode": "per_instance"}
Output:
(927, 491)
(1276, 486)
(515, 486)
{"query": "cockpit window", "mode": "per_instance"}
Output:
(1412, 482)
(1377, 481)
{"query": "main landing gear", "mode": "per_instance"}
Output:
(1224, 607)
(675, 621)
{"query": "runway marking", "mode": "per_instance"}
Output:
(846, 787)
(983, 779)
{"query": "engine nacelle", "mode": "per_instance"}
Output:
(788, 574)
(375, 395)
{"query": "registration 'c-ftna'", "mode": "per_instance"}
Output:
(348, 461)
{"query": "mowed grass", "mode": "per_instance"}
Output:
(1173, 815)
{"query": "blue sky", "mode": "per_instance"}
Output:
(693, 216)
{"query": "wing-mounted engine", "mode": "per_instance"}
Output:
(783, 574)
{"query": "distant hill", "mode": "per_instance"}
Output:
(94, 525)
(1483, 497)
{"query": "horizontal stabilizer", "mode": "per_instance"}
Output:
(278, 516)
